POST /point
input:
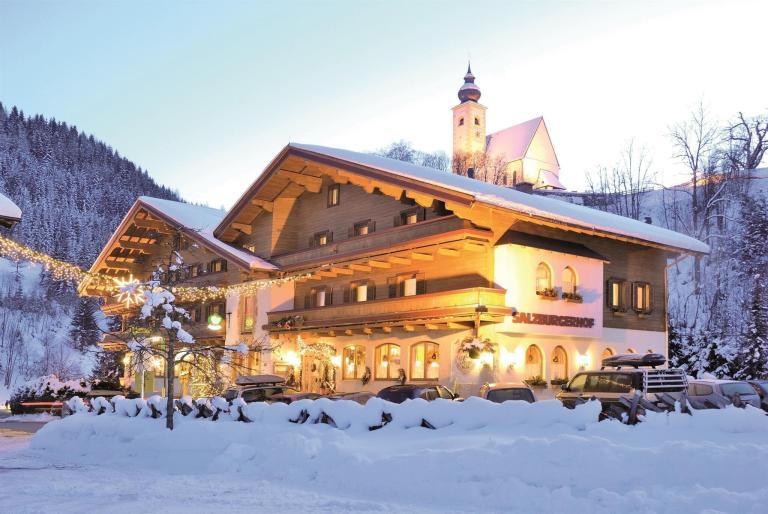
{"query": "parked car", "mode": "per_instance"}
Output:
(290, 397)
(718, 393)
(360, 397)
(260, 388)
(628, 375)
(761, 387)
(505, 391)
(400, 393)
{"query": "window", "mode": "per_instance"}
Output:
(641, 297)
(578, 383)
(569, 281)
(195, 313)
(217, 266)
(362, 228)
(461, 122)
(425, 361)
(248, 312)
(477, 121)
(334, 195)
(318, 297)
(559, 369)
(353, 362)
(445, 393)
(616, 293)
(534, 363)
(410, 217)
(321, 239)
(407, 284)
(631, 350)
(543, 278)
(194, 271)
(607, 353)
(503, 395)
(387, 362)
(360, 291)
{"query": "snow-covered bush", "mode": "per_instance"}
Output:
(46, 389)
(101, 405)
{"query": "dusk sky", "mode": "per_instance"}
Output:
(204, 94)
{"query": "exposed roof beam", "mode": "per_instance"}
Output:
(342, 271)
(133, 245)
(379, 264)
(419, 256)
(243, 227)
(394, 259)
(450, 252)
(156, 225)
(360, 267)
(313, 184)
(264, 204)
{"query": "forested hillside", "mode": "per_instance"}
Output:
(73, 190)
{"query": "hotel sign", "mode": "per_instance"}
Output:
(533, 318)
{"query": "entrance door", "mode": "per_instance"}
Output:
(315, 375)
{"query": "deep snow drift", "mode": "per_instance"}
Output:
(483, 456)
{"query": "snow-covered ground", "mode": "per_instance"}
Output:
(484, 457)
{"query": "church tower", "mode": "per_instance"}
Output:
(469, 119)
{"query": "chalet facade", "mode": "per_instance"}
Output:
(414, 274)
(10, 214)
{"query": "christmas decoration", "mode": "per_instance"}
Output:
(473, 346)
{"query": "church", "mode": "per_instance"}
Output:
(523, 153)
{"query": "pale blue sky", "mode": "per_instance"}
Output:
(204, 94)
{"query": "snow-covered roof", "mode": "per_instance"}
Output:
(202, 220)
(8, 209)
(549, 179)
(513, 142)
(532, 205)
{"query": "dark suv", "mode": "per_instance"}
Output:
(400, 393)
(628, 376)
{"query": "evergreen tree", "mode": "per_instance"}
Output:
(84, 330)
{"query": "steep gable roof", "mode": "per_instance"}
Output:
(469, 191)
(513, 142)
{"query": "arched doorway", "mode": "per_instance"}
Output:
(534, 363)
(559, 369)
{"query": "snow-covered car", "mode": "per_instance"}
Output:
(505, 391)
(761, 388)
(290, 397)
(629, 375)
(259, 388)
(718, 393)
(360, 397)
(400, 393)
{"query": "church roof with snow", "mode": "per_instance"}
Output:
(535, 206)
(513, 142)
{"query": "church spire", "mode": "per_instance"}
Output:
(469, 92)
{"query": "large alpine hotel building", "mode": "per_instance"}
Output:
(414, 271)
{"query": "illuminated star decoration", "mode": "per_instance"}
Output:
(130, 291)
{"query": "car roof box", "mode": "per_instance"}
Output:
(634, 360)
(259, 380)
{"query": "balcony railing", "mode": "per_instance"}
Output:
(389, 238)
(485, 304)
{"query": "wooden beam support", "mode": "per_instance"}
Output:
(449, 252)
(432, 326)
(394, 259)
(386, 330)
(342, 271)
(327, 273)
(133, 245)
(367, 330)
(264, 204)
(419, 256)
(360, 267)
(379, 264)
(243, 227)
(474, 247)
(348, 332)
(313, 184)
(453, 325)
(409, 328)
(315, 276)
(155, 225)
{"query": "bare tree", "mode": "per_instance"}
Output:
(481, 166)
(622, 188)
(748, 141)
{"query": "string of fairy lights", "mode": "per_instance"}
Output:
(130, 290)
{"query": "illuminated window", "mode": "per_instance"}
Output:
(362, 228)
(321, 238)
(641, 297)
(569, 280)
(361, 291)
(534, 363)
(248, 312)
(407, 284)
(217, 266)
(334, 195)
(353, 362)
(411, 216)
(543, 278)
(559, 369)
(318, 297)
(616, 292)
(425, 361)
(387, 362)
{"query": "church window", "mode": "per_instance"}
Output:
(477, 121)
(461, 122)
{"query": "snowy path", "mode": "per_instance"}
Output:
(32, 483)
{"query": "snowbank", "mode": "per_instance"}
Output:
(483, 456)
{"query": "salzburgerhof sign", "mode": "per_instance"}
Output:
(533, 318)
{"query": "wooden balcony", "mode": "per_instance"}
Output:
(456, 309)
(436, 231)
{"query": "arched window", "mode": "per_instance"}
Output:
(631, 350)
(607, 353)
(461, 122)
(425, 361)
(477, 121)
(543, 278)
(387, 362)
(534, 363)
(559, 369)
(569, 281)
(353, 362)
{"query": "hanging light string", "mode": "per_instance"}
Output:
(61, 270)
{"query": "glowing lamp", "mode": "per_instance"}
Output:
(214, 322)
(292, 358)
(336, 361)
(486, 358)
(582, 361)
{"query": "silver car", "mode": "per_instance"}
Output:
(711, 393)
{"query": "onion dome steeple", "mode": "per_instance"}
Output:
(469, 92)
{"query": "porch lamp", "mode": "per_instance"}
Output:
(214, 322)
